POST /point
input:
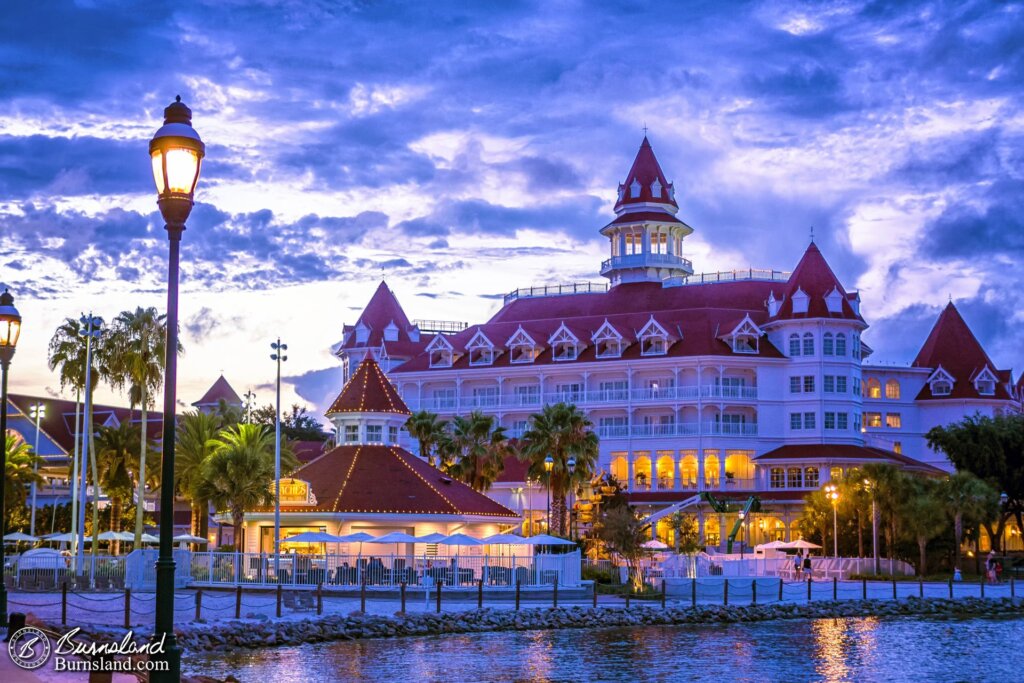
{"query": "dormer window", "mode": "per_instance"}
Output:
(653, 339)
(773, 305)
(656, 188)
(441, 352)
(607, 342)
(941, 382)
(564, 344)
(634, 188)
(834, 301)
(481, 350)
(745, 336)
(391, 332)
(985, 383)
(362, 333)
(521, 347)
(800, 300)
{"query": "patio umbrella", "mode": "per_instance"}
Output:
(431, 538)
(395, 537)
(304, 537)
(19, 537)
(358, 537)
(189, 538)
(110, 536)
(545, 539)
(460, 539)
(654, 544)
(64, 538)
(801, 545)
(126, 535)
(773, 545)
(150, 538)
(504, 539)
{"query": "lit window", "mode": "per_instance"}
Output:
(840, 344)
(897, 447)
(893, 420)
(793, 478)
(835, 473)
(778, 478)
(827, 346)
(892, 389)
(872, 419)
(811, 477)
(873, 388)
(808, 347)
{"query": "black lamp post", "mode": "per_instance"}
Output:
(571, 466)
(549, 464)
(177, 153)
(10, 330)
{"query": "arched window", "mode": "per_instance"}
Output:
(892, 389)
(840, 344)
(873, 388)
(811, 477)
(827, 346)
(808, 344)
(778, 478)
(794, 345)
(793, 479)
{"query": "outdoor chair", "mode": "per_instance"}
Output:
(522, 575)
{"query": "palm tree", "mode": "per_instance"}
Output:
(424, 426)
(238, 474)
(475, 450)
(923, 513)
(115, 446)
(563, 432)
(196, 438)
(968, 498)
(136, 359)
(19, 471)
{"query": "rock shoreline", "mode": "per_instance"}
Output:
(253, 634)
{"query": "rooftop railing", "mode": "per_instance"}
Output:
(556, 290)
(440, 326)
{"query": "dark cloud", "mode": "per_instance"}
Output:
(993, 231)
(319, 387)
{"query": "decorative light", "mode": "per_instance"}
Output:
(549, 463)
(10, 322)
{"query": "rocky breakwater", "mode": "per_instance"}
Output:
(253, 633)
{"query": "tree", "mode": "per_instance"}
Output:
(624, 534)
(991, 448)
(115, 461)
(196, 436)
(686, 532)
(968, 500)
(561, 431)
(923, 514)
(19, 472)
(474, 452)
(428, 431)
(135, 354)
(817, 517)
(239, 473)
(297, 425)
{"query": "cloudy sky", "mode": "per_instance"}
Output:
(464, 149)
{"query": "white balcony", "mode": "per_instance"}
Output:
(646, 261)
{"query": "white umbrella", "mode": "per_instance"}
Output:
(126, 535)
(110, 536)
(358, 537)
(504, 539)
(800, 545)
(189, 538)
(304, 537)
(395, 537)
(150, 538)
(654, 544)
(64, 538)
(18, 537)
(431, 538)
(460, 539)
(545, 539)
(773, 545)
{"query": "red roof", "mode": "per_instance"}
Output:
(368, 391)
(387, 479)
(514, 470)
(306, 451)
(952, 345)
(645, 170)
(383, 310)
(815, 278)
(833, 451)
(644, 217)
(59, 421)
(220, 391)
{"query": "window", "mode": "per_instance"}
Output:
(652, 346)
(613, 390)
(777, 478)
(634, 188)
(842, 421)
(835, 473)
(829, 384)
(794, 421)
(656, 188)
(856, 346)
(809, 384)
(564, 345)
(827, 346)
(811, 477)
(485, 396)
(351, 433)
(873, 388)
(571, 392)
(794, 385)
(808, 420)
(481, 356)
(441, 358)
(892, 389)
(793, 478)
(528, 394)
(444, 398)
(393, 434)
(808, 348)
(941, 388)
(893, 420)
(613, 426)
(565, 351)
(608, 342)
(830, 420)
(794, 345)
(986, 387)
(897, 447)
(840, 344)
(374, 433)
(841, 384)
(872, 419)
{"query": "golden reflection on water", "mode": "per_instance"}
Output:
(837, 640)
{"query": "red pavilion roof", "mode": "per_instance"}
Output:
(220, 391)
(368, 391)
(814, 277)
(645, 170)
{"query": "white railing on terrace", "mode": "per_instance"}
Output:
(586, 398)
(641, 260)
(737, 275)
(440, 326)
(653, 431)
(556, 290)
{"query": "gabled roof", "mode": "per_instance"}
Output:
(815, 278)
(384, 310)
(390, 480)
(952, 345)
(368, 391)
(830, 451)
(645, 170)
(58, 423)
(220, 391)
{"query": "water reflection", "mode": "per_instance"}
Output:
(862, 649)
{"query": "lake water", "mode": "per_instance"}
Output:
(855, 649)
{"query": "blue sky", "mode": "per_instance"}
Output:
(465, 149)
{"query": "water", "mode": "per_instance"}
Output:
(855, 649)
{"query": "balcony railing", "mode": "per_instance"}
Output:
(655, 431)
(642, 260)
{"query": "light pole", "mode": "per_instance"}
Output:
(741, 515)
(36, 411)
(278, 357)
(571, 466)
(176, 152)
(10, 330)
(90, 330)
(870, 486)
(832, 493)
(248, 396)
(549, 464)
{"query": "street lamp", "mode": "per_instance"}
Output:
(279, 357)
(10, 330)
(90, 330)
(549, 464)
(176, 152)
(571, 466)
(36, 411)
(741, 515)
(832, 493)
(870, 486)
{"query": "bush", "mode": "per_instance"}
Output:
(604, 575)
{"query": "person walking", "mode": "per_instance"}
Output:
(990, 567)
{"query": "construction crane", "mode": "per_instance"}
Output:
(752, 504)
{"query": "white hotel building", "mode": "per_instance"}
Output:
(748, 383)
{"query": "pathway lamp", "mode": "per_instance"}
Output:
(176, 152)
(37, 411)
(741, 515)
(571, 466)
(10, 330)
(279, 357)
(549, 464)
(832, 493)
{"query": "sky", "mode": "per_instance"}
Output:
(463, 149)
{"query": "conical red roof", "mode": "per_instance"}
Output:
(220, 391)
(952, 345)
(814, 277)
(368, 391)
(645, 170)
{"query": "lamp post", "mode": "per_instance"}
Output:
(870, 486)
(571, 466)
(176, 152)
(832, 493)
(278, 357)
(36, 411)
(549, 464)
(90, 330)
(741, 515)
(10, 330)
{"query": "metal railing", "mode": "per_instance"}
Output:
(556, 290)
(654, 431)
(440, 326)
(641, 260)
(738, 275)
